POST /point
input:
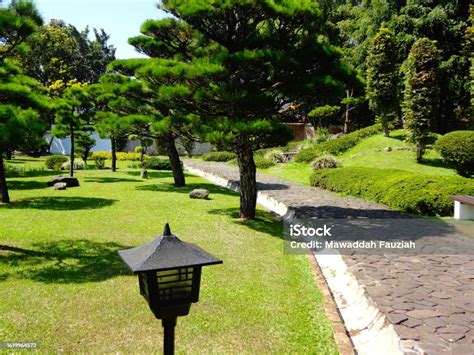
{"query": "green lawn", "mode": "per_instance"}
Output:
(64, 286)
(370, 153)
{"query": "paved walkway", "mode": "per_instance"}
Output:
(428, 296)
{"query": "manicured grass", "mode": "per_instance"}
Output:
(63, 285)
(370, 153)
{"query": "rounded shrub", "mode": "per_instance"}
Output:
(218, 156)
(457, 150)
(99, 162)
(55, 161)
(325, 162)
(274, 155)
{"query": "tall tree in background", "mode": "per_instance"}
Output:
(382, 78)
(261, 58)
(73, 116)
(421, 96)
(21, 97)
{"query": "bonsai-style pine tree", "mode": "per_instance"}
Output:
(382, 77)
(21, 97)
(232, 67)
(421, 95)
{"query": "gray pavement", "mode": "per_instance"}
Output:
(427, 294)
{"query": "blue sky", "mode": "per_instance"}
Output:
(119, 18)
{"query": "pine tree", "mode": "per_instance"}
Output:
(234, 67)
(421, 95)
(382, 78)
(21, 97)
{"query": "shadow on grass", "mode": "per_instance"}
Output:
(435, 162)
(401, 136)
(64, 261)
(60, 203)
(153, 174)
(26, 185)
(109, 180)
(167, 187)
(265, 222)
(30, 173)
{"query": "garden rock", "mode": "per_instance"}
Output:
(69, 181)
(199, 193)
(388, 149)
(60, 186)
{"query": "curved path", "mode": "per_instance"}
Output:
(415, 303)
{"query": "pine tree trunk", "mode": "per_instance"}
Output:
(114, 154)
(419, 153)
(175, 162)
(3, 181)
(346, 113)
(71, 155)
(9, 154)
(248, 183)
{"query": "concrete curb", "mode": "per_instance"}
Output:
(369, 329)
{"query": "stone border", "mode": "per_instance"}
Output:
(369, 329)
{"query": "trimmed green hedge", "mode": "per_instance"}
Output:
(218, 156)
(337, 146)
(154, 163)
(415, 193)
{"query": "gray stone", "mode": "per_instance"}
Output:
(396, 318)
(388, 149)
(69, 181)
(423, 313)
(199, 193)
(60, 186)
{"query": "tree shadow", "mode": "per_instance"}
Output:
(265, 222)
(108, 180)
(169, 187)
(161, 174)
(26, 185)
(266, 186)
(435, 162)
(60, 203)
(29, 173)
(64, 261)
(401, 136)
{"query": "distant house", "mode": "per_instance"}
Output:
(63, 146)
(301, 130)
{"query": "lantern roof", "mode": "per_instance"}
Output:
(164, 253)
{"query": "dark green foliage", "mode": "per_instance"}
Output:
(218, 156)
(382, 77)
(411, 192)
(457, 150)
(154, 163)
(53, 161)
(337, 146)
(320, 116)
(421, 95)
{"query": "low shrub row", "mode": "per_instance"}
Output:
(218, 156)
(152, 163)
(407, 191)
(120, 155)
(337, 146)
